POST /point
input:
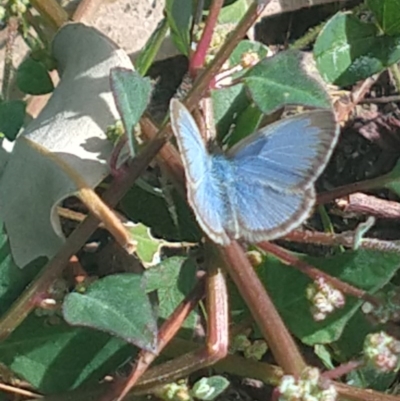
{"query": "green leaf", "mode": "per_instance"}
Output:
(392, 179)
(12, 115)
(351, 342)
(118, 305)
(233, 13)
(247, 46)
(173, 279)
(246, 124)
(230, 102)
(149, 51)
(179, 17)
(387, 14)
(57, 357)
(322, 351)
(348, 50)
(148, 247)
(13, 280)
(208, 388)
(132, 94)
(287, 78)
(227, 104)
(33, 78)
(367, 377)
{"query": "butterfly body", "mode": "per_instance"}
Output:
(263, 187)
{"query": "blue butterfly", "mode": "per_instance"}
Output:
(261, 188)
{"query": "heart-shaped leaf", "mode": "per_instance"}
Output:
(33, 78)
(288, 78)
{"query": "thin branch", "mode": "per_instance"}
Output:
(198, 58)
(315, 273)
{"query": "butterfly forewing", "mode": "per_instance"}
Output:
(202, 190)
(289, 154)
(190, 143)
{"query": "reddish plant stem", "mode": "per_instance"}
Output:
(345, 239)
(263, 310)
(118, 171)
(316, 237)
(198, 58)
(342, 370)
(203, 81)
(360, 203)
(361, 394)
(315, 273)
(216, 344)
(16, 391)
(345, 190)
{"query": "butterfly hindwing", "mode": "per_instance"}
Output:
(209, 208)
(264, 213)
(289, 154)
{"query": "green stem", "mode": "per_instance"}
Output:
(345, 190)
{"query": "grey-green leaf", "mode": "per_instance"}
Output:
(208, 388)
(288, 78)
(118, 305)
(173, 279)
(132, 94)
(179, 17)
